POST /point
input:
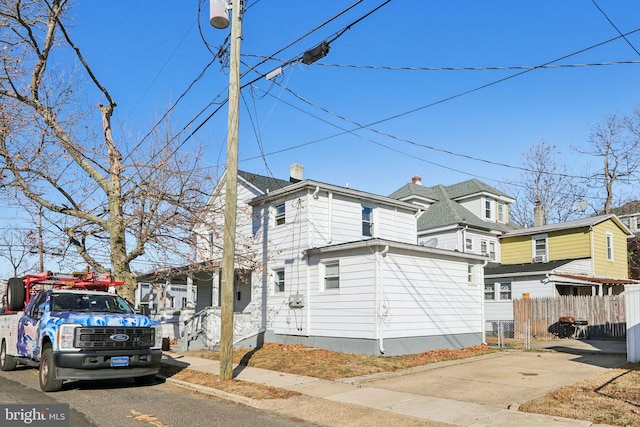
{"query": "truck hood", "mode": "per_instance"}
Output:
(101, 319)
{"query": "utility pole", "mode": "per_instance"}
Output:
(40, 242)
(231, 196)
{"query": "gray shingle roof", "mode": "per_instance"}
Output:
(263, 183)
(578, 223)
(471, 187)
(445, 211)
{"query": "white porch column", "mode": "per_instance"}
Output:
(215, 288)
(190, 301)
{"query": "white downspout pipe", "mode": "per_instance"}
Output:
(378, 300)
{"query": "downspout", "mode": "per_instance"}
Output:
(482, 312)
(378, 288)
(330, 219)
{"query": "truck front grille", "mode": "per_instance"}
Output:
(114, 338)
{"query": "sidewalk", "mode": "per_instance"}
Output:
(346, 403)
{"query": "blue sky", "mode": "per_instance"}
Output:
(388, 76)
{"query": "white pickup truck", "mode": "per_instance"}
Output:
(72, 328)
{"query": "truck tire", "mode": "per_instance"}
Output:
(47, 372)
(7, 363)
(16, 294)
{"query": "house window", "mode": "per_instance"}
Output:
(280, 213)
(468, 244)
(492, 251)
(505, 291)
(638, 223)
(367, 221)
(626, 222)
(279, 281)
(539, 248)
(487, 209)
(332, 275)
(489, 292)
(609, 246)
(483, 247)
(210, 241)
(470, 273)
(501, 213)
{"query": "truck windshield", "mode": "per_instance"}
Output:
(107, 303)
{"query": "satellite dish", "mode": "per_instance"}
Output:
(580, 206)
(431, 243)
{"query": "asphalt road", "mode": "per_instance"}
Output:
(120, 403)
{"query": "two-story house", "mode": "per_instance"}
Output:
(582, 257)
(468, 217)
(338, 268)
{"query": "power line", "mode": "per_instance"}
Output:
(614, 26)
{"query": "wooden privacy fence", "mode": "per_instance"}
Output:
(605, 315)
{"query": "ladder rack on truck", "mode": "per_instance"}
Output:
(20, 290)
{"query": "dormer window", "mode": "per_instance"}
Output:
(487, 209)
(501, 215)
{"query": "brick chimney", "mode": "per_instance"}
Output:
(538, 215)
(416, 180)
(296, 172)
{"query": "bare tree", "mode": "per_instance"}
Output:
(18, 248)
(615, 142)
(111, 200)
(546, 181)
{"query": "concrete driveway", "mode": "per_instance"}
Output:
(510, 378)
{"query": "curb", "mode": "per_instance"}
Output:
(248, 401)
(363, 379)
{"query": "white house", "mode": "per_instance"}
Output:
(333, 267)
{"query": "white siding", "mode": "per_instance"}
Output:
(421, 296)
(428, 297)
(446, 240)
(503, 310)
(632, 310)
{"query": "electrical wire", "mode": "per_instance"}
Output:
(614, 26)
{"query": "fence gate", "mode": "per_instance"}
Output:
(508, 334)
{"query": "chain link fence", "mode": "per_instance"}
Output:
(508, 334)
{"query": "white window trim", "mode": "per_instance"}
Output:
(371, 222)
(609, 246)
(502, 209)
(276, 281)
(490, 209)
(280, 216)
(323, 275)
(534, 253)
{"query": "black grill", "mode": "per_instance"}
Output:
(100, 338)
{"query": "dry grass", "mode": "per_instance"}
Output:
(610, 398)
(313, 362)
(331, 365)
(254, 391)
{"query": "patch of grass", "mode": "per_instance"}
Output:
(610, 398)
(241, 388)
(331, 365)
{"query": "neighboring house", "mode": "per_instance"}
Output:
(337, 268)
(629, 214)
(154, 297)
(582, 257)
(466, 217)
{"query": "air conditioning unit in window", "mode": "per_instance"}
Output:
(540, 258)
